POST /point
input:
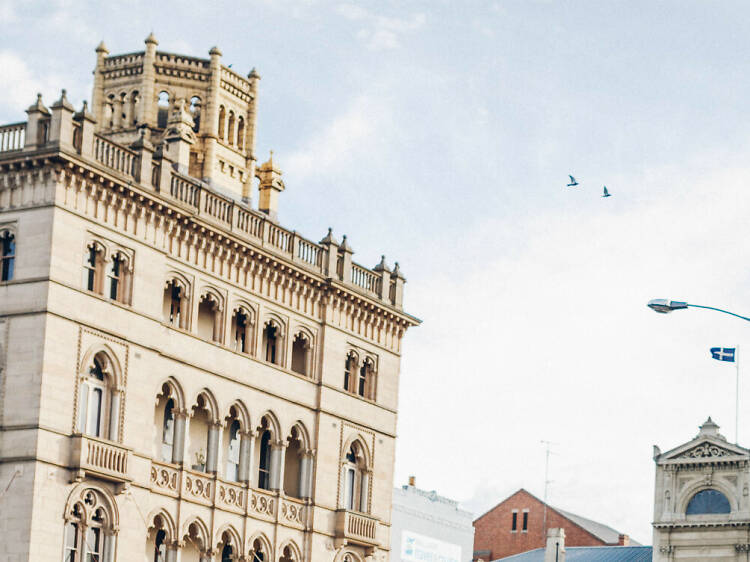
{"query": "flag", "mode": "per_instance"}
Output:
(723, 353)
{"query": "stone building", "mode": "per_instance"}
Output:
(182, 378)
(520, 523)
(428, 526)
(701, 499)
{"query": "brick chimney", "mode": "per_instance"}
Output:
(623, 540)
(412, 481)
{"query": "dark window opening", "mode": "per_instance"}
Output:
(270, 335)
(525, 521)
(240, 331)
(514, 524)
(264, 473)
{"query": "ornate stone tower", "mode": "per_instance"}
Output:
(182, 379)
(701, 501)
(205, 109)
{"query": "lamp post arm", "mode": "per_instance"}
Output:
(718, 310)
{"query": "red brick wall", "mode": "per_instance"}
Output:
(493, 532)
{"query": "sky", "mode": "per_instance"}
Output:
(441, 134)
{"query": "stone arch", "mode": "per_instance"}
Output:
(160, 520)
(275, 320)
(179, 278)
(197, 531)
(698, 486)
(289, 550)
(227, 534)
(342, 555)
(273, 424)
(172, 388)
(91, 497)
(363, 448)
(215, 293)
(209, 402)
(263, 541)
(247, 308)
(242, 414)
(112, 367)
(302, 434)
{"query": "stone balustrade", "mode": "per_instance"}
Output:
(356, 527)
(209, 490)
(105, 459)
(140, 165)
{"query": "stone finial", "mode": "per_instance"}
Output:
(344, 246)
(269, 188)
(143, 140)
(102, 48)
(710, 429)
(397, 272)
(329, 239)
(214, 52)
(63, 101)
(382, 266)
(38, 106)
(253, 75)
(151, 40)
(84, 113)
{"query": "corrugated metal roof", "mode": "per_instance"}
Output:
(600, 530)
(590, 554)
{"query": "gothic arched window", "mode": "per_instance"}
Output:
(118, 278)
(167, 432)
(94, 268)
(89, 526)
(356, 481)
(233, 453)
(93, 400)
(8, 255)
(708, 501)
(264, 461)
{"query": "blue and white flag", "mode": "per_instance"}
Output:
(723, 353)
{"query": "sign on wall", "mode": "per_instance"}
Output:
(420, 548)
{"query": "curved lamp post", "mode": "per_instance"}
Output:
(664, 306)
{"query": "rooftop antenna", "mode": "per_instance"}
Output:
(547, 481)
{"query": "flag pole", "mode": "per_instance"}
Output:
(737, 398)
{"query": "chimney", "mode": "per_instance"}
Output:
(412, 481)
(270, 186)
(623, 540)
(555, 551)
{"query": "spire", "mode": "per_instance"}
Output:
(329, 239)
(397, 272)
(382, 266)
(151, 40)
(345, 245)
(102, 48)
(254, 74)
(38, 106)
(214, 51)
(63, 101)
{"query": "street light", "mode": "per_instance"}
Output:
(663, 306)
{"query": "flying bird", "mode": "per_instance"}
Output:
(573, 181)
(606, 193)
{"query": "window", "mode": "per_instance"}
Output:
(209, 318)
(226, 553)
(270, 343)
(167, 432)
(351, 365)
(88, 527)
(300, 354)
(93, 397)
(240, 331)
(94, 268)
(257, 554)
(195, 111)
(233, 453)
(366, 383)
(222, 118)
(8, 255)
(117, 279)
(240, 133)
(230, 128)
(356, 479)
(175, 304)
(525, 521)
(514, 523)
(162, 110)
(707, 502)
(160, 546)
(264, 461)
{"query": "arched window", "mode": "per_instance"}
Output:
(226, 553)
(349, 372)
(135, 100)
(89, 525)
(366, 383)
(293, 465)
(93, 400)
(257, 554)
(356, 479)
(222, 119)
(199, 440)
(240, 133)
(167, 432)
(8, 255)
(271, 343)
(233, 453)
(708, 501)
(175, 305)
(93, 268)
(118, 279)
(230, 128)
(160, 546)
(287, 555)
(301, 354)
(162, 107)
(264, 461)
(209, 318)
(195, 111)
(241, 331)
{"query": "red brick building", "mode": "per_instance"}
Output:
(517, 524)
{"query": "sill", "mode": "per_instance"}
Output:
(107, 299)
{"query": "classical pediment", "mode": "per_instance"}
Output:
(705, 450)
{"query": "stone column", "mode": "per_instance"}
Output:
(212, 448)
(246, 455)
(346, 270)
(148, 83)
(278, 451)
(210, 125)
(171, 553)
(250, 129)
(114, 415)
(178, 448)
(109, 548)
(305, 475)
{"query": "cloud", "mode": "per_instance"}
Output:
(379, 32)
(21, 84)
(348, 133)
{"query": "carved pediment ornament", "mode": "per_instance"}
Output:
(704, 451)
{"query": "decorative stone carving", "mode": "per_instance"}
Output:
(705, 450)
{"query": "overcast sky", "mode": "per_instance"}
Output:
(441, 134)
